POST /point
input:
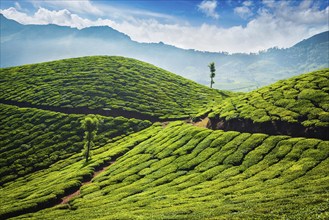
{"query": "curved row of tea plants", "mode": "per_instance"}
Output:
(45, 188)
(186, 172)
(104, 82)
(33, 139)
(302, 99)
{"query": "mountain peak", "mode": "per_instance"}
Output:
(316, 39)
(104, 32)
(101, 32)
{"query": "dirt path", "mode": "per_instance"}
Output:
(67, 198)
(203, 123)
(164, 124)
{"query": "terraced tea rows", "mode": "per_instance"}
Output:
(45, 188)
(298, 106)
(186, 172)
(33, 139)
(107, 83)
(160, 171)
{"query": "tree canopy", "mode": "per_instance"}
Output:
(90, 125)
(212, 73)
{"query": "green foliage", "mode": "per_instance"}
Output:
(104, 82)
(174, 171)
(200, 174)
(212, 73)
(302, 99)
(90, 125)
(33, 139)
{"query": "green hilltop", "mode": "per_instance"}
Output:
(114, 84)
(297, 106)
(145, 167)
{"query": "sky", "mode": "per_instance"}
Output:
(233, 26)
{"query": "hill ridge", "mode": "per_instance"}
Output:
(87, 111)
(297, 106)
(112, 83)
(238, 71)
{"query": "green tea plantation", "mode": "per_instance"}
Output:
(258, 155)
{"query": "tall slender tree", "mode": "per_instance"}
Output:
(90, 125)
(212, 73)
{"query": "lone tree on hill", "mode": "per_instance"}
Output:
(212, 73)
(90, 125)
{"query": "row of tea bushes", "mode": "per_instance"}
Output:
(46, 187)
(33, 139)
(302, 99)
(104, 82)
(186, 172)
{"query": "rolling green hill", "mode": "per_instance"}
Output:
(185, 172)
(25, 44)
(33, 139)
(298, 106)
(156, 169)
(117, 85)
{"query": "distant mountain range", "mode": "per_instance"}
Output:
(25, 44)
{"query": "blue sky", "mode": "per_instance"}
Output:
(206, 25)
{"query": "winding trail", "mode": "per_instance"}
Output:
(66, 199)
(99, 170)
(203, 123)
(58, 201)
(240, 125)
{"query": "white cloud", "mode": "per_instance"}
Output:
(208, 7)
(302, 15)
(78, 6)
(247, 3)
(16, 15)
(283, 25)
(98, 8)
(244, 11)
(269, 3)
(44, 16)
(18, 6)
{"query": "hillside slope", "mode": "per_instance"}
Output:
(168, 170)
(298, 106)
(116, 85)
(33, 139)
(184, 172)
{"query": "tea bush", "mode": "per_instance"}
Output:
(105, 82)
(302, 99)
(33, 139)
(241, 176)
